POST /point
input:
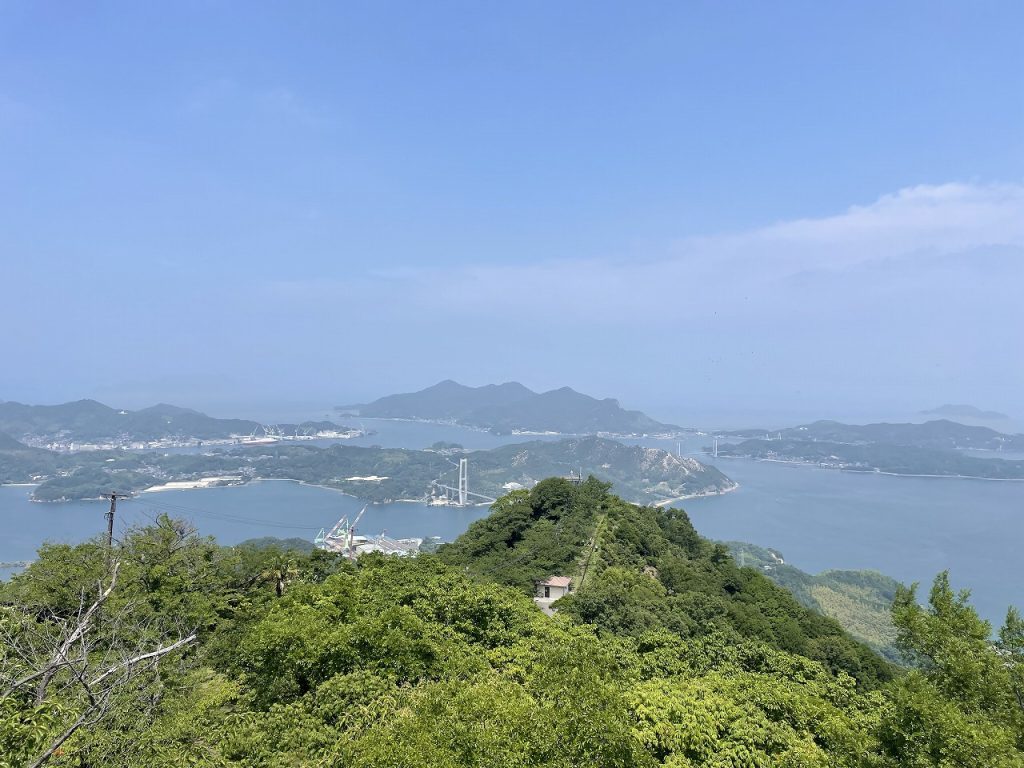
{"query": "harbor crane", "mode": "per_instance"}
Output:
(341, 537)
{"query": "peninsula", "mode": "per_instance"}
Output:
(646, 475)
(90, 425)
(937, 448)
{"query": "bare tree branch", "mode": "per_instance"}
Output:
(60, 659)
(84, 623)
(129, 663)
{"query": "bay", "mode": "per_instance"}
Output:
(907, 527)
(280, 508)
(910, 528)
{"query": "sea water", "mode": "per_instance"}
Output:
(907, 527)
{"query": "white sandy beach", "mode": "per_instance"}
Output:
(203, 482)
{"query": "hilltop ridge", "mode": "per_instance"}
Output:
(939, 447)
(91, 422)
(644, 569)
(666, 654)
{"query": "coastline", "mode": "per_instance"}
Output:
(683, 431)
(220, 481)
(854, 470)
(701, 495)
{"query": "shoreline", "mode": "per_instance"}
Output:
(256, 480)
(683, 432)
(220, 481)
(854, 470)
(703, 495)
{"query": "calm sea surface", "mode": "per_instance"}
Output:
(910, 528)
(907, 527)
(266, 508)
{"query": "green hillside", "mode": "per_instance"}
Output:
(861, 601)
(172, 651)
(641, 474)
(648, 571)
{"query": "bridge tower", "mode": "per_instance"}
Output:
(463, 481)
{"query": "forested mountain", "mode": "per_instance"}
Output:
(445, 401)
(90, 421)
(878, 457)
(933, 448)
(646, 475)
(86, 420)
(21, 463)
(171, 651)
(510, 407)
(643, 569)
(8, 443)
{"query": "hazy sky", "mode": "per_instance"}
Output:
(807, 207)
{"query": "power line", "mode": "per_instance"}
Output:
(179, 509)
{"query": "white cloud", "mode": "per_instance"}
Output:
(927, 218)
(909, 236)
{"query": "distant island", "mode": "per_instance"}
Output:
(90, 425)
(949, 411)
(513, 408)
(933, 448)
(647, 475)
(941, 434)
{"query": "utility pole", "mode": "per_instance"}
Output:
(110, 522)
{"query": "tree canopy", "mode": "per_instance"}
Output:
(667, 653)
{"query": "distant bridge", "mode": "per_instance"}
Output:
(462, 492)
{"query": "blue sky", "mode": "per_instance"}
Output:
(806, 207)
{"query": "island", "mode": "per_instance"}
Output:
(90, 425)
(962, 411)
(935, 448)
(646, 475)
(513, 408)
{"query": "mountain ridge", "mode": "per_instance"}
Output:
(83, 421)
(964, 411)
(512, 407)
(936, 434)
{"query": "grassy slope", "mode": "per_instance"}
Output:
(859, 600)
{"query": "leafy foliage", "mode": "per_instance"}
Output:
(859, 600)
(668, 654)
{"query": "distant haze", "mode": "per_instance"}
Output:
(270, 213)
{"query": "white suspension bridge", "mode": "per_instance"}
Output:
(459, 496)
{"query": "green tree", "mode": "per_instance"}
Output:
(957, 706)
